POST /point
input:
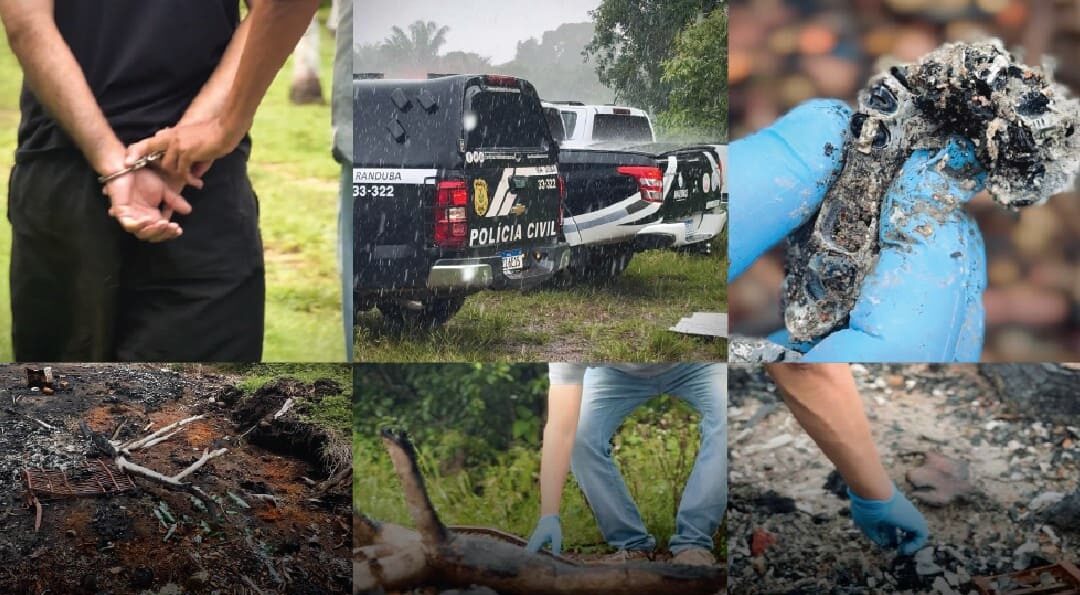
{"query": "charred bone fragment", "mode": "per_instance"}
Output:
(1023, 127)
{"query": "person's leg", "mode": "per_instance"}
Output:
(200, 297)
(704, 387)
(345, 254)
(65, 262)
(608, 397)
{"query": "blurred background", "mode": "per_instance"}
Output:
(783, 52)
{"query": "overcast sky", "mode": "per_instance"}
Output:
(490, 28)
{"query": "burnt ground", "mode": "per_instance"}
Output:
(117, 544)
(1019, 466)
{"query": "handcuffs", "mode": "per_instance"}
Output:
(141, 163)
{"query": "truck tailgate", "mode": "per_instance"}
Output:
(692, 182)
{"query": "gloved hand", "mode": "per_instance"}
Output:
(548, 530)
(890, 523)
(923, 299)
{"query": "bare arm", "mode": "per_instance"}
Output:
(57, 81)
(217, 122)
(213, 97)
(564, 405)
(825, 401)
(276, 27)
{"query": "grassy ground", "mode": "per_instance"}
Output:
(297, 183)
(332, 411)
(9, 122)
(624, 320)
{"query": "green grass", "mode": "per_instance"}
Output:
(297, 183)
(9, 122)
(623, 320)
(332, 411)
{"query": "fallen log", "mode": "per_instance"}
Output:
(391, 557)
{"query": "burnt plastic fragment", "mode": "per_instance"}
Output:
(1020, 122)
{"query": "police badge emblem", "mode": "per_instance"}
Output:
(480, 197)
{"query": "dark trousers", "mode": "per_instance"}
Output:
(82, 289)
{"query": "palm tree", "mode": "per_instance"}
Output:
(420, 47)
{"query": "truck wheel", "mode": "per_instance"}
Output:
(600, 264)
(431, 313)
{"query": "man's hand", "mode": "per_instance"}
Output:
(143, 202)
(188, 149)
(890, 523)
(548, 530)
(923, 299)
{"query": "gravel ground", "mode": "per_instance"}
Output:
(1019, 507)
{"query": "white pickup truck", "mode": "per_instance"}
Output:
(586, 125)
(625, 192)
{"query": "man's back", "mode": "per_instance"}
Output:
(144, 62)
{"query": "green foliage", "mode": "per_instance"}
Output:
(417, 48)
(553, 63)
(634, 38)
(331, 411)
(465, 412)
(555, 66)
(697, 75)
(655, 449)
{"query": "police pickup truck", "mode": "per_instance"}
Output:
(627, 194)
(456, 189)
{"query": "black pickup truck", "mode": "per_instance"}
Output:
(456, 189)
(623, 197)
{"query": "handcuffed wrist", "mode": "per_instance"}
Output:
(140, 163)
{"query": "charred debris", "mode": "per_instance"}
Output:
(1023, 127)
(133, 479)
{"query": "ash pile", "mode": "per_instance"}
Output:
(137, 479)
(994, 469)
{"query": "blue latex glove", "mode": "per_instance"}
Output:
(890, 523)
(548, 530)
(923, 299)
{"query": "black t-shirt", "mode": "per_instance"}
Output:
(144, 61)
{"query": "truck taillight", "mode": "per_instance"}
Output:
(500, 80)
(562, 200)
(451, 217)
(649, 179)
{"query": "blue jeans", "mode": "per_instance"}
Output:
(345, 256)
(609, 397)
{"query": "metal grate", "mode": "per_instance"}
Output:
(96, 478)
(1058, 579)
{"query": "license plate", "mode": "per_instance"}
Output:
(512, 260)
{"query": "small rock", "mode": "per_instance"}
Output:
(941, 586)
(199, 580)
(1045, 499)
(142, 578)
(760, 541)
(940, 480)
(759, 565)
(1022, 556)
(924, 563)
